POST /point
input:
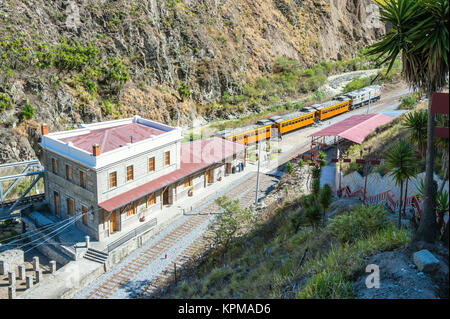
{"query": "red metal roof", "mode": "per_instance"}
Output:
(355, 128)
(113, 137)
(195, 156)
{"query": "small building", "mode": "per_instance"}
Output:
(116, 174)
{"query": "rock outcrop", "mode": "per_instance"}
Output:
(178, 54)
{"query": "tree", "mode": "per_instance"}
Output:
(416, 122)
(325, 197)
(315, 187)
(401, 163)
(312, 215)
(419, 33)
(228, 223)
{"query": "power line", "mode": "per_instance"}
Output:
(46, 239)
(58, 230)
(46, 227)
(68, 222)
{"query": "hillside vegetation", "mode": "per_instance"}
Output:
(285, 257)
(175, 61)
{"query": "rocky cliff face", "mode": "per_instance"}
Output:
(157, 58)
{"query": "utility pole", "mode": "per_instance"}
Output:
(257, 174)
(368, 106)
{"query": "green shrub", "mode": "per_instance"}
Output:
(360, 222)
(407, 103)
(289, 168)
(357, 84)
(316, 171)
(184, 91)
(114, 74)
(72, 55)
(326, 285)
(312, 215)
(315, 186)
(5, 102)
(27, 112)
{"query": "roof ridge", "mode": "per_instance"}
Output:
(353, 127)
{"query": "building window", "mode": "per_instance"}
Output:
(187, 182)
(70, 206)
(130, 175)
(167, 158)
(54, 166)
(85, 216)
(112, 179)
(83, 179)
(130, 210)
(151, 164)
(68, 172)
(151, 199)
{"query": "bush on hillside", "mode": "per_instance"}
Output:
(360, 222)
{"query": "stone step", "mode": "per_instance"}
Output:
(98, 252)
(96, 255)
(95, 259)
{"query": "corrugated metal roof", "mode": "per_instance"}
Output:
(326, 104)
(238, 130)
(113, 137)
(195, 156)
(355, 128)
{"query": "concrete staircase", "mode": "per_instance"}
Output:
(96, 256)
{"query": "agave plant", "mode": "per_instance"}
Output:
(416, 123)
(401, 163)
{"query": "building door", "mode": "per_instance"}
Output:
(228, 168)
(70, 206)
(208, 176)
(84, 212)
(56, 202)
(114, 222)
(166, 197)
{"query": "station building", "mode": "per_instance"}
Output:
(118, 175)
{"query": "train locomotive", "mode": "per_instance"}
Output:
(282, 124)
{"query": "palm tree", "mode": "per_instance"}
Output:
(402, 164)
(417, 123)
(419, 33)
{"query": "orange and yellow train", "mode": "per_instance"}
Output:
(306, 116)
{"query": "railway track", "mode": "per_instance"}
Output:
(26, 200)
(167, 275)
(157, 250)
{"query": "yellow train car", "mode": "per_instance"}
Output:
(293, 121)
(247, 135)
(331, 108)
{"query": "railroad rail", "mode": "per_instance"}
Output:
(24, 201)
(157, 250)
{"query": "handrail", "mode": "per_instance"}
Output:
(388, 197)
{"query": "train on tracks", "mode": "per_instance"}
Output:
(286, 123)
